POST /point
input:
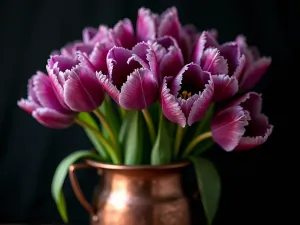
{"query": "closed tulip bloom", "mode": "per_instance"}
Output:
(43, 104)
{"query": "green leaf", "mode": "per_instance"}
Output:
(86, 117)
(162, 149)
(125, 125)
(134, 140)
(209, 185)
(204, 124)
(111, 116)
(60, 176)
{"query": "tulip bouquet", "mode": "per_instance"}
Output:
(157, 94)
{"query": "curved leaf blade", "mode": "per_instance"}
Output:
(209, 185)
(60, 176)
(86, 117)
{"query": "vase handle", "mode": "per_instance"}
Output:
(76, 188)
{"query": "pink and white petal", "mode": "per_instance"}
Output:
(231, 52)
(44, 92)
(199, 49)
(82, 92)
(225, 87)
(107, 85)
(30, 92)
(88, 34)
(170, 106)
(258, 131)
(171, 63)
(251, 101)
(27, 105)
(186, 104)
(202, 104)
(118, 65)
(146, 26)
(175, 82)
(101, 35)
(63, 63)
(140, 52)
(57, 85)
(254, 73)
(169, 24)
(228, 127)
(213, 62)
(139, 91)
(85, 61)
(98, 56)
(83, 47)
(53, 119)
(240, 68)
(125, 33)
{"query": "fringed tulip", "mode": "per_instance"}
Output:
(43, 105)
(255, 66)
(186, 98)
(241, 125)
(131, 79)
(76, 86)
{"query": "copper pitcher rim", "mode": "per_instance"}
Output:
(100, 165)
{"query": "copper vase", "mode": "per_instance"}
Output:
(137, 195)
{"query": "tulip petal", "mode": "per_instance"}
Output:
(228, 127)
(169, 25)
(118, 65)
(98, 56)
(257, 133)
(85, 61)
(199, 49)
(140, 52)
(107, 85)
(224, 87)
(231, 52)
(28, 105)
(45, 94)
(53, 119)
(125, 33)
(254, 73)
(202, 104)
(170, 106)
(240, 68)
(171, 63)
(251, 101)
(82, 47)
(146, 26)
(63, 63)
(82, 92)
(139, 91)
(213, 62)
(186, 104)
(88, 34)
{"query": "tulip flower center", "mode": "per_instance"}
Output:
(185, 95)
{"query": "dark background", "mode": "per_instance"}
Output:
(29, 152)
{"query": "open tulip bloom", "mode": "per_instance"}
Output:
(147, 96)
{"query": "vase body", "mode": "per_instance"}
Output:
(141, 195)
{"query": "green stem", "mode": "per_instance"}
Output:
(122, 112)
(196, 141)
(150, 125)
(114, 156)
(103, 121)
(178, 139)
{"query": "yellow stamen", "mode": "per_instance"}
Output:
(185, 95)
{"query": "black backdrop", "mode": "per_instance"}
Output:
(29, 152)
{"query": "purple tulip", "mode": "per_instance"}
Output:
(186, 98)
(241, 125)
(255, 66)
(76, 86)
(131, 79)
(122, 34)
(150, 25)
(43, 104)
(169, 57)
(225, 63)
